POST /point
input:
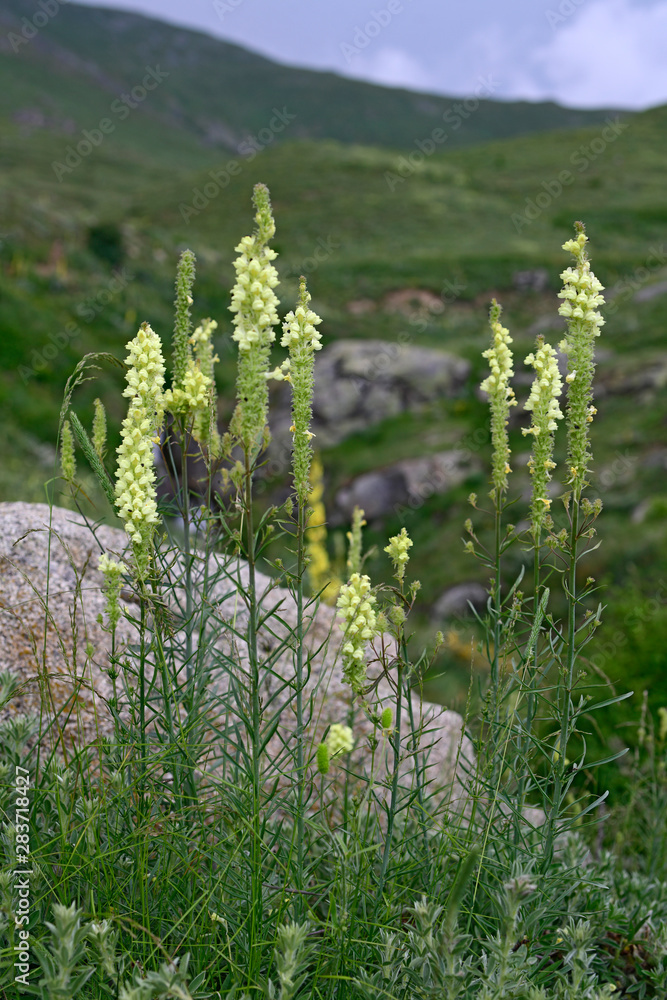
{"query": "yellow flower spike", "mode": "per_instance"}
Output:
(501, 395)
(136, 498)
(355, 606)
(584, 323)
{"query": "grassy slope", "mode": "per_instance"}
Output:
(86, 57)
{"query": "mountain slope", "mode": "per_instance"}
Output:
(215, 95)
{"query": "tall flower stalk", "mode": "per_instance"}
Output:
(135, 483)
(302, 339)
(501, 399)
(581, 295)
(398, 552)
(546, 412)
(254, 305)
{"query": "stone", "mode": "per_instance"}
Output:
(407, 483)
(359, 383)
(534, 280)
(455, 601)
(650, 292)
(62, 658)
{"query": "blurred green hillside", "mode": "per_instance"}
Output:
(209, 95)
(85, 259)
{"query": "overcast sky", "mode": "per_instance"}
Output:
(582, 53)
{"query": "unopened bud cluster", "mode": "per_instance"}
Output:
(113, 574)
(67, 455)
(301, 337)
(340, 739)
(501, 395)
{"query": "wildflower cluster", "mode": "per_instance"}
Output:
(254, 305)
(355, 607)
(397, 551)
(501, 395)
(193, 388)
(581, 294)
(113, 573)
(191, 396)
(205, 427)
(302, 339)
(543, 401)
(339, 739)
(135, 490)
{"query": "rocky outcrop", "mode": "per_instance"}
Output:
(455, 601)
(404, 484)
(359, 383)
(50, 637)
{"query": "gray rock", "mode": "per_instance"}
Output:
(62, 658)
(651, 292)
(535, 280)
(407, 483)
(359, 383)
(455, 601)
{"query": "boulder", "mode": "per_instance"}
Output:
(455, 601)
(407, 483)
(359, 383)
(62, 657)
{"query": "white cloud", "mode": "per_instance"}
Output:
(390, 67)
(608, 52)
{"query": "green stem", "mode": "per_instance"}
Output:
(419, 767)
(565, 689)
(523, 741)
(394, 782)
(300, 570)
(142, 825)
(256, 845)
(495, 680)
